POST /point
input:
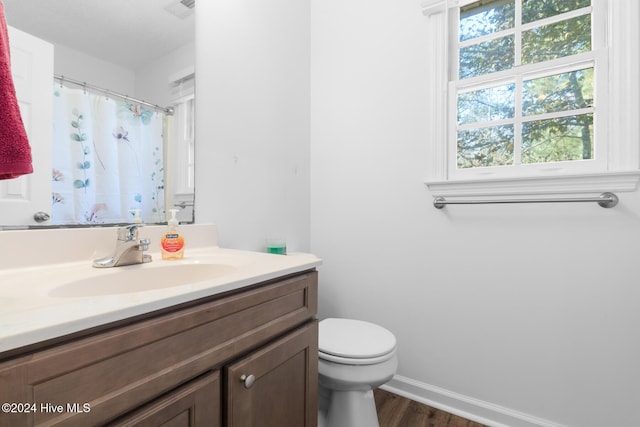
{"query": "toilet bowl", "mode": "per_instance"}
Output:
(354, 358)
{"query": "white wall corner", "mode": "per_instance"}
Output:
(464, 406)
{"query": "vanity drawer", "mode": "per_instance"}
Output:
(94, 379)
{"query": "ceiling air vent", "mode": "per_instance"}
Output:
(182, 8)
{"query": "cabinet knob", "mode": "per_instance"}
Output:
(247, 380)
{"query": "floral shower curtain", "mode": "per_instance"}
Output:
(107, 159)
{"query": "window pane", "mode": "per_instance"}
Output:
(491, 146)
(487, 57)
(478, 19)
(557, 40)
(494, 103)
(556, 140)
(560, 92)
(533, 10)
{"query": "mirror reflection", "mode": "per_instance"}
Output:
(114, 83)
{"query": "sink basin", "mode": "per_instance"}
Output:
(140, 278)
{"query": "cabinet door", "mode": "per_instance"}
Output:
(276, 386)
(196, 404)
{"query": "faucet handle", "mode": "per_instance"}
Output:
(129, 232)
(143, 244)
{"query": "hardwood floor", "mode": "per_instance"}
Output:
(398, 411)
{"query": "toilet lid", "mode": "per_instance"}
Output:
(354, 339)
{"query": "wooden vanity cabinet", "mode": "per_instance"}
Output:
(243, 359)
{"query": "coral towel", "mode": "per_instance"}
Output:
(15, 152)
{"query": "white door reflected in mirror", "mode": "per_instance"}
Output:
(32, 67)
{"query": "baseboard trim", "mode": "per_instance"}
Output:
(463, 406)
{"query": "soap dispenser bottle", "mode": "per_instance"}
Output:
(172, 241)
(136, 216)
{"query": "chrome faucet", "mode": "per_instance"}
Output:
(129, 250)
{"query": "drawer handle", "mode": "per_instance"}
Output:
(247, 380)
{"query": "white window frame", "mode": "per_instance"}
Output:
(184, 144)
(616, 132)
(183, 150)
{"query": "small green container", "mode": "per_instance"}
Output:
(276, 246)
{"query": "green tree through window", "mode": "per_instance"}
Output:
(524, 83)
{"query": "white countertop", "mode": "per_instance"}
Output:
(30, 312)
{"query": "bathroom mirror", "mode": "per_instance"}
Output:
(143, 49)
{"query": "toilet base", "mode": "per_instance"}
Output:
(349, 409)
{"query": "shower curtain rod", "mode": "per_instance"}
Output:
(167, 110)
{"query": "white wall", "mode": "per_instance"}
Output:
(95, 71)
(518, 314)
(150, 83)
(252, 115)
(533, 308)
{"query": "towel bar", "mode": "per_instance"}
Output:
(605, 200)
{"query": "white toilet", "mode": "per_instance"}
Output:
(354, 358)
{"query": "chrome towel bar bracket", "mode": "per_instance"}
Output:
(605, 200)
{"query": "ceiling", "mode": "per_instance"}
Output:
(129, 33)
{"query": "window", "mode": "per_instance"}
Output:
(183, 93)
(522, 82)
(536, 89)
